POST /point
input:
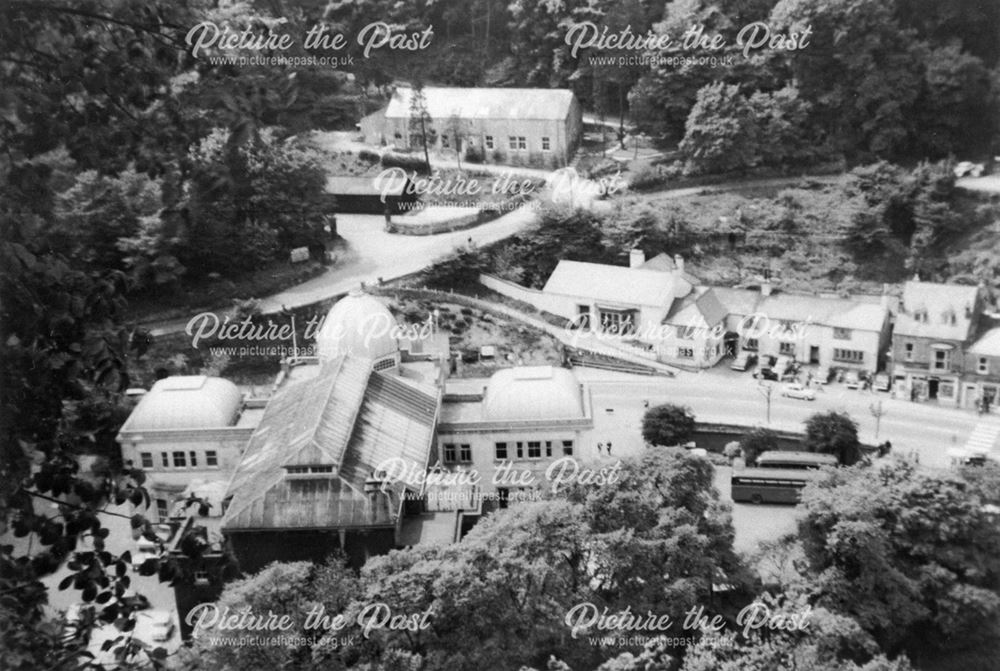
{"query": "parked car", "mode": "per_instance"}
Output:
(968, 169)
(135, 601)
(882, 382)
(783, 364)
(800, 391)
(824, 374)
(852, 380)
(154, 626)
(744, 361)
(763, 372)
(144, 549)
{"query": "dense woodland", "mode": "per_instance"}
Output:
(130, 166)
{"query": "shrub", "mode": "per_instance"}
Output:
(668, 425)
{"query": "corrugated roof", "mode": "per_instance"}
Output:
(949, 308)
(616, 284)
(346, 417)
(485, 103)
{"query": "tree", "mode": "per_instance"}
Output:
(721, 132)
(834, 433)
(420, 121)
(911, 556)
(668, 424)
(755, 442)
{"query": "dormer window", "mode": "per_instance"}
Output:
(315, 469)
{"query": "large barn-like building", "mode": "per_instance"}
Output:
(539, 127)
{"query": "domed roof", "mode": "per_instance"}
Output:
(532, 393)
(359, 325)
(187, 402)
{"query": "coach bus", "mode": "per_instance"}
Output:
(771, 485)
(790, 459)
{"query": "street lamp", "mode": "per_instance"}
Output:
(766, 390)
(877, 411)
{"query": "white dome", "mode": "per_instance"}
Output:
(357, 325)
(532, 393)
(187, 402)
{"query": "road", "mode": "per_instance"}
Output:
(371, 253)
(721, 395)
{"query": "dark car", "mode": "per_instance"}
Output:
(135, 602)
(765, 373)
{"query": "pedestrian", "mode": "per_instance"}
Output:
(609, 448)
(600, 448)
(645, 403)
(986, 405)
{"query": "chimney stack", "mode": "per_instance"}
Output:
(636, 258)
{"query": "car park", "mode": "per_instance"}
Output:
(800, 391)
(744, 361)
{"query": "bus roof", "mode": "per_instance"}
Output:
(798, 457)
(777, 474)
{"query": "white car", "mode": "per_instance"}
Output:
(144, 549)
(154, 626)
(796, 390)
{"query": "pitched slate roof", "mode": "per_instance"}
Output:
(988, 344)
(849, 313)
(616, 284)
(348, 418)
(950, 310)
(704, 310)
(485, 103)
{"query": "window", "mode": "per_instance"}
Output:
(548, 448)
(211, 458)
(983, 366)
(568, 448)
(685, 333)
(162, 509)
(751, 344)
(545, 144)
(908, 351)
(465, 453)
(147, 459)
(942, 359)
(201, 578)
(488, 142)
(445, 142)
(304, 470)
(179, 460)
(512, 143)
(165, 459)
(841, 334)
(517, 142)
(501, 451)
(194, 458)
(787, 348)
(946, 390)
(520, 450)
(685, 352)
(848, 355)
(450, 453)
(534, 449)
(617, 323)
(385, 364)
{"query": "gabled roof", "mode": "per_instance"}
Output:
(848, 313)
(348, 418)
(616, 285)
(988, 344)
(932, 310)
(705, 310)
(485, 103)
